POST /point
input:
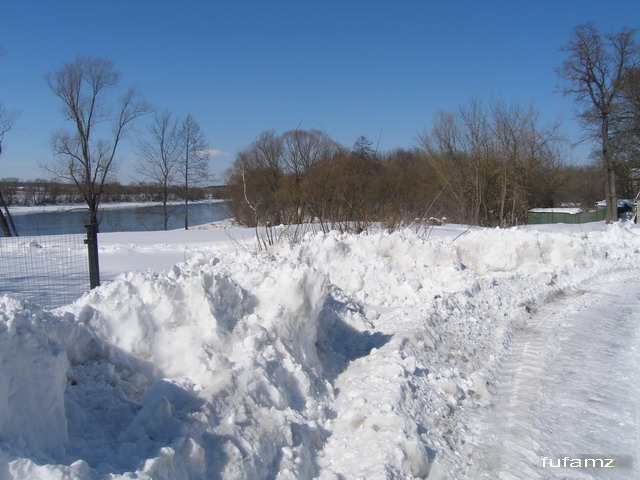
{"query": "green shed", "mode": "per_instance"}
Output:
(536, 216)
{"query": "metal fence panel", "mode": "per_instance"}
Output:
(50, 270)
(536, 218)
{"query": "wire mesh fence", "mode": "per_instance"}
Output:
(51, 270)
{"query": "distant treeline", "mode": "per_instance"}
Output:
(46, 192)
(476, 166)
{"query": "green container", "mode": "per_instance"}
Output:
(536, 218)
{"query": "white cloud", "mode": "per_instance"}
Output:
(214, 152)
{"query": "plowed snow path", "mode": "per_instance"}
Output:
(568, 388)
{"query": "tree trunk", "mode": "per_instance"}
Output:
(12, 225)
(93, 217)
(7, 220)
(612, 198)
(5, 226)
(503, 199)
(165, 213)
(186, 191)
(186, 209)
(610, 175)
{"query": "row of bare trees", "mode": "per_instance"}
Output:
(482, 166)
(493, 164)
(479, 165)
(304, 176)
(48, 192)
(171, 152)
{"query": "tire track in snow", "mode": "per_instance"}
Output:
(569, 386)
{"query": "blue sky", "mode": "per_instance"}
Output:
(375, 68)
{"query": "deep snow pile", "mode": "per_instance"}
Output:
(340, 357)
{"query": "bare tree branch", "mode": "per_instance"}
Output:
(159, 152)
(594, 74)
(194, 159)
(84, 87)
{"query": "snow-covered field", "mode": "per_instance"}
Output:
(380, 356)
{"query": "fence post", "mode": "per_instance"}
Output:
(92, 248)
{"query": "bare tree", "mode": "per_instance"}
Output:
(628, 122)
(159, 152)
(526, 153)
(7, 120)
(492, 165)
(303, 150)
(84, 86)
(194, 159)
(631, 95)
(459, 150)
(476, 133)
(266, 156)
(594, 72)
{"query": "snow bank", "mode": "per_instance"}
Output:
(492, 251)
(568, 210)
(32, 382)
(340, 357)
(213, 360)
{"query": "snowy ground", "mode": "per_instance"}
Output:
(572, 374)
(453, 353)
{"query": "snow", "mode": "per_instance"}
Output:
(554, 379)
(622, 202)
(372, 356)
(567, 210)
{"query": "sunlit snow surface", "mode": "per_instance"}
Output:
(569, 387)
(450, 353)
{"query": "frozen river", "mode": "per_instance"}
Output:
(136, 218)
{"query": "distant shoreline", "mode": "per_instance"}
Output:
(63, 207)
